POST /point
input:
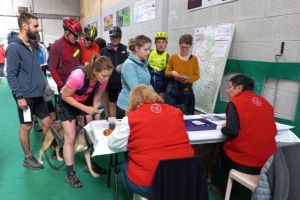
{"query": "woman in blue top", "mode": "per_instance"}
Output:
(134, 70)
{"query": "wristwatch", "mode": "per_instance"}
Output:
(20, 97)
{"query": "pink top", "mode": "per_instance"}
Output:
(76, 81)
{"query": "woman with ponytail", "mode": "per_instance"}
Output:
(134, 70)
(81, 83)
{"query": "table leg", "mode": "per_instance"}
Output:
(55, 106)
(110, 166)
(116, 176)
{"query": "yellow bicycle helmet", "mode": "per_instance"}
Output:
(90, 31)
(161, 35)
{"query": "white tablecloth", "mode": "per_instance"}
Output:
(95, 131)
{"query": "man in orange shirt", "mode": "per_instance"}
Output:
(87, 45)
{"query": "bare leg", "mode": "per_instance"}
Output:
(34, 117)
(25, 139)
(112, 109)
(69, 136)
(105, 103)
(46, 123)
(53, 116)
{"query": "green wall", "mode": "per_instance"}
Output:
(260, 71)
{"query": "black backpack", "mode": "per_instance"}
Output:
(86, 84)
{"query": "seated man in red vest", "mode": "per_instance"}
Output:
(250, 128)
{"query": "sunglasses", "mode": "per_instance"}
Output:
(75, 35)
(89, 39)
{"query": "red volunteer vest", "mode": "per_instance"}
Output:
(255, 142)
(157, 132)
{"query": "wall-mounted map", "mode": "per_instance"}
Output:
(211, 47)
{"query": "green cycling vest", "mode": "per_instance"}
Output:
(158, 61)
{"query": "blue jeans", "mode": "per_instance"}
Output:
(2, 69)
(131, 187)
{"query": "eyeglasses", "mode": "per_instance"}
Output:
(185, 47)
(89, 39)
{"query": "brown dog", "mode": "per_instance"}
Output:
(80, 144)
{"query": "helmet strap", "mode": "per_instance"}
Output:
(68, 36)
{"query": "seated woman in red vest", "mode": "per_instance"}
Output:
(81, 83)
(250, 128)
(152, 131)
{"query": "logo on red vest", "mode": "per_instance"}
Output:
(156, 108)
(256, 101)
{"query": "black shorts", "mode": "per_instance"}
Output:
(37, 105)
(50, 106)
(113, 95)
(160, 88)
(68, 112)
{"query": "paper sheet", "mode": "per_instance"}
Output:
(27, 115)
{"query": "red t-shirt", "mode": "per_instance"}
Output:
(88, 52)
(70, 59)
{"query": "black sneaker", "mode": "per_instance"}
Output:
(32, 163)
(73, 180)
(97, 169)
(217, 192)
(37, 127)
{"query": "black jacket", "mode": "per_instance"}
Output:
(180, 179)
(117, 57)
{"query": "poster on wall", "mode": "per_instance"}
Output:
(198, 4)
(108, 22)
(144, 10)
(211, 47)
(123, 17)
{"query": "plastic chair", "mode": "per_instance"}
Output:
(138, 197)
(247, 180)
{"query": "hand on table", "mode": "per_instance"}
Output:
(223, 125)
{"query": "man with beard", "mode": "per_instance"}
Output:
(117, 52)
(27, 82)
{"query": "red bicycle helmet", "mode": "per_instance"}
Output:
(72, 25)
